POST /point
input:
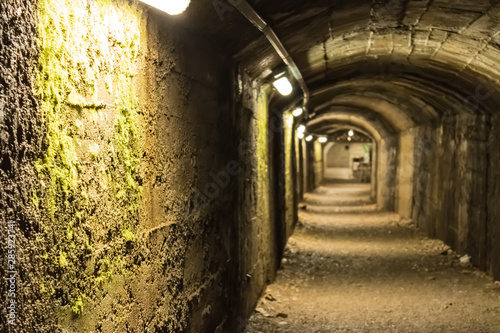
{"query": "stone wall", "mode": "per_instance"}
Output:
(260, 224)
(21, 141)
(386, 164)
(290, 169)
(319, 171)
(138, 170)
(451, 189)
(493, 195)
(405, 173)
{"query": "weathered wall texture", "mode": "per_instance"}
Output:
(492, 202)
(301, 170)
(386, 164)
(450, 195)
(122, 160)
(20, 145)
(309, 165)
(259, 231)
(405, 173)
(290, 149)
(318, 163)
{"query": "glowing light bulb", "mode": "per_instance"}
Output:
(300, 135)
(172, 7)
(351, 133)
(284, 86)
(301, 129)
(297, 112)
(323, 139)
(349, 139)
(309, 138)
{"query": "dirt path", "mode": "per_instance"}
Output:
(349, 268)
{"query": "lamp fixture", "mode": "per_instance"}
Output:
(300, 135)
(301, 129)
(171, 7)
(323, 139)
(283, 85)
(351, 133)
(309, 138)
(297, 112)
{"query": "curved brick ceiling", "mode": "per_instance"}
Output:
(367, 122)
(409, 61)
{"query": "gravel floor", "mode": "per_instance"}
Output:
(350, 268)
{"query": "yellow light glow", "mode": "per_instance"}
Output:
(284, 86)
(172, 7)
(309, 138)
(297, 112)
(300, 135)
(351, 133)
(322, 139)
(301, 129)
(349, 139)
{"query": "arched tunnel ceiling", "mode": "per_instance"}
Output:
(324, 35)
(407, 60)
(343, 135)
(372, 125)
(381, 96)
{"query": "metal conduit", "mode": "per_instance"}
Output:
(250, 13)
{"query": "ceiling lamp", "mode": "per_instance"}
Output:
(301, 129)
(323, 139)
(309, 138)
(300, 135)
(351, 133)
(297, 112)
(172, 7)
(283, 85)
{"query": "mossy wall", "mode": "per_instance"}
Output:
(90, 196)
(289, 147)
(318, 163)
(256, 254)
(118, 119)
(118, 126)
(264, 180)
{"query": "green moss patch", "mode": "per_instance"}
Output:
(90, 169)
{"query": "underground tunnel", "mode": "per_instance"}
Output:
(237, 166)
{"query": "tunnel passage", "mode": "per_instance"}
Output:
(152, 173)
(348, 155)
(349, 267)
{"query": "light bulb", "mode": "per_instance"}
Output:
(351, 133)
(301, 129)
(284, 86)
(300, 135)
(309, 138)
(297, 112)
(172, 7)
(323, 139)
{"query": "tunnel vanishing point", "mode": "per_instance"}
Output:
(153, 166)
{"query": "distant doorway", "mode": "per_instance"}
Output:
(349, 157)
